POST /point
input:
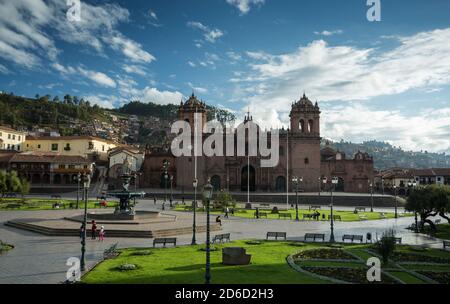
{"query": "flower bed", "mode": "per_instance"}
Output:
(440, 277)
(413, 257)
(324, 254)
(351, 275)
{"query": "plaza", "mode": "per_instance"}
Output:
(38, 258)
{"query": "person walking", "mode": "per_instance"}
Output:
(219, 220)
(154, 199)
(227, 211)
(101, 234)
(94, 230)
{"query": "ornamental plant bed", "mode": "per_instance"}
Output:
(350, 275)
(415, 257)
(440, 277)
(324, 254)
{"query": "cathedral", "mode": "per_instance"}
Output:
(300, 155)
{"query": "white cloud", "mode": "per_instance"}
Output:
(329, 33)
(210, 34)
(130, 49)
(3, 69)
(104, 101)
(192, 64)
(149, 94)
(356, 122)
(345, 73)
(134, 69)
(25, 26)
(245, 5)
(98, 77)
(197, 89)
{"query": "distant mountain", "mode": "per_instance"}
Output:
(388, 156)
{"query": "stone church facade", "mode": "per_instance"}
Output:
(299, 155)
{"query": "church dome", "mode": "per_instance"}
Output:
(193, 102)
(305, 104)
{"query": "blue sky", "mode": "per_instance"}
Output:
(385, 80)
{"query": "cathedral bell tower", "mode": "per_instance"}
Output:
(187, 111)
(305, 118)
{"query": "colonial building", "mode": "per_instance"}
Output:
(11, 139)
(299, 151)
(46, 168)
(93, 148)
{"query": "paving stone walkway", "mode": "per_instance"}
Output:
(41, 259)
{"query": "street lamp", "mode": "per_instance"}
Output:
(320, 185)
(371, 196)
(171, 196)
(195, 183)
(207, 195)
(395, 197)
(78, 189)
(86, 184)
(334, 181)
(413, 186)
(166, 165)
(296, 181)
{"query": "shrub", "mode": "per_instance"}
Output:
(386, 245)
(126, 267)
(223, 200)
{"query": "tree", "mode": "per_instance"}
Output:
(223, 200)
(429, 201)
(24, 187)
(3, 185)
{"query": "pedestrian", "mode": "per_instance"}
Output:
(94, 230)
(219, 220)
(232, 211)
(257, 213)
(154, 199)
(227, 210)
(101, 234)
(163, 206)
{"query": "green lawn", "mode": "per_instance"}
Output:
(443, 231)
(186, 265)
(346, 216)
(14, 204)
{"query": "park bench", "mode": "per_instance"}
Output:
(315, 207)
(111, 252)
(361, 209)
(221, 238)
(314, 237)
(335, 217)
(261, 214)
(284, 215)
(165, 241)
(363, 217)
(353, 238)
(446, 244)
(10, 195)
(398, 240)
(276, 235)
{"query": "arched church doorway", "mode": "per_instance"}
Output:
(340, 187)
(215, 182)
(280, 184)
(248, 178)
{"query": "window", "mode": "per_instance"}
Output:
(54, 147)
(301, 125)
(67, 147)
(18, 147)
(20, 137)
(103, 148)
(62, 166)
(39, 146)
(91, 146)
(14, 137)
(9, 136)
(85, 166)
(9, 146)
(71, 166)
(306, 161)
(0, 134)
